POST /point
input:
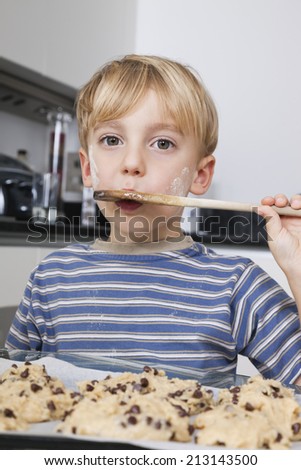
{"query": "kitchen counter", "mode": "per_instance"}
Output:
(28, 233)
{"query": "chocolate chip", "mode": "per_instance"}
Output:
(235, 399)
(190, 429)
(67, 413)
(182, 413)
(279, 437)
(197, 393)
(158, 425)
(15, 366)
(235, 389)
(249, 407)
(144, 382)
(132, 420)
(89, 388)
(51, 406)
(25, 373)
(73, 429)
(208, 408)
(149, 420)
(27, 363)
(35, 387)
(296, 427)
(57, 391)
(176, 394)
(8, 413)
(147, 369)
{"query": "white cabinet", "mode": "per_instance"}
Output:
(66, 40)
(17, 262)
(81, 36)
(22, 30)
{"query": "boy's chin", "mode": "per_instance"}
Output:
(145, 234)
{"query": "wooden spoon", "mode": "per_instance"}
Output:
(168, 200)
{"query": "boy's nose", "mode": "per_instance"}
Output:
(133, 164)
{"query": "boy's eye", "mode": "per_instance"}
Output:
(110, 140)
(164, 144)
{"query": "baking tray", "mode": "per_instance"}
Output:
(74, 367)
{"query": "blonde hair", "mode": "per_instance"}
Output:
(118, 86)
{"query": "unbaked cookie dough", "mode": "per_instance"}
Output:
(260, 414)
(29, 395)
(9, 421)
(151, 406)
(140, 416)
(234, 427)
(187, 396)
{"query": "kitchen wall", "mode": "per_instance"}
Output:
(247, 53)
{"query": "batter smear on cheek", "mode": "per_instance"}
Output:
(94, 170)
(180, 185)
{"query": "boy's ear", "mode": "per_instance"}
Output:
(85, 167)
(203, 175)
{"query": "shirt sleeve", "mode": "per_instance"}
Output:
(266, 325)
(24, 333)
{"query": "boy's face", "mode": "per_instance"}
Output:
(142, 152)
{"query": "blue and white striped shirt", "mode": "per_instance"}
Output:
(188, 307)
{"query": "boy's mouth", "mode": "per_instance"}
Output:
(131, 203)
(128, 205)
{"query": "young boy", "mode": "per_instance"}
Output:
(150, 293)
